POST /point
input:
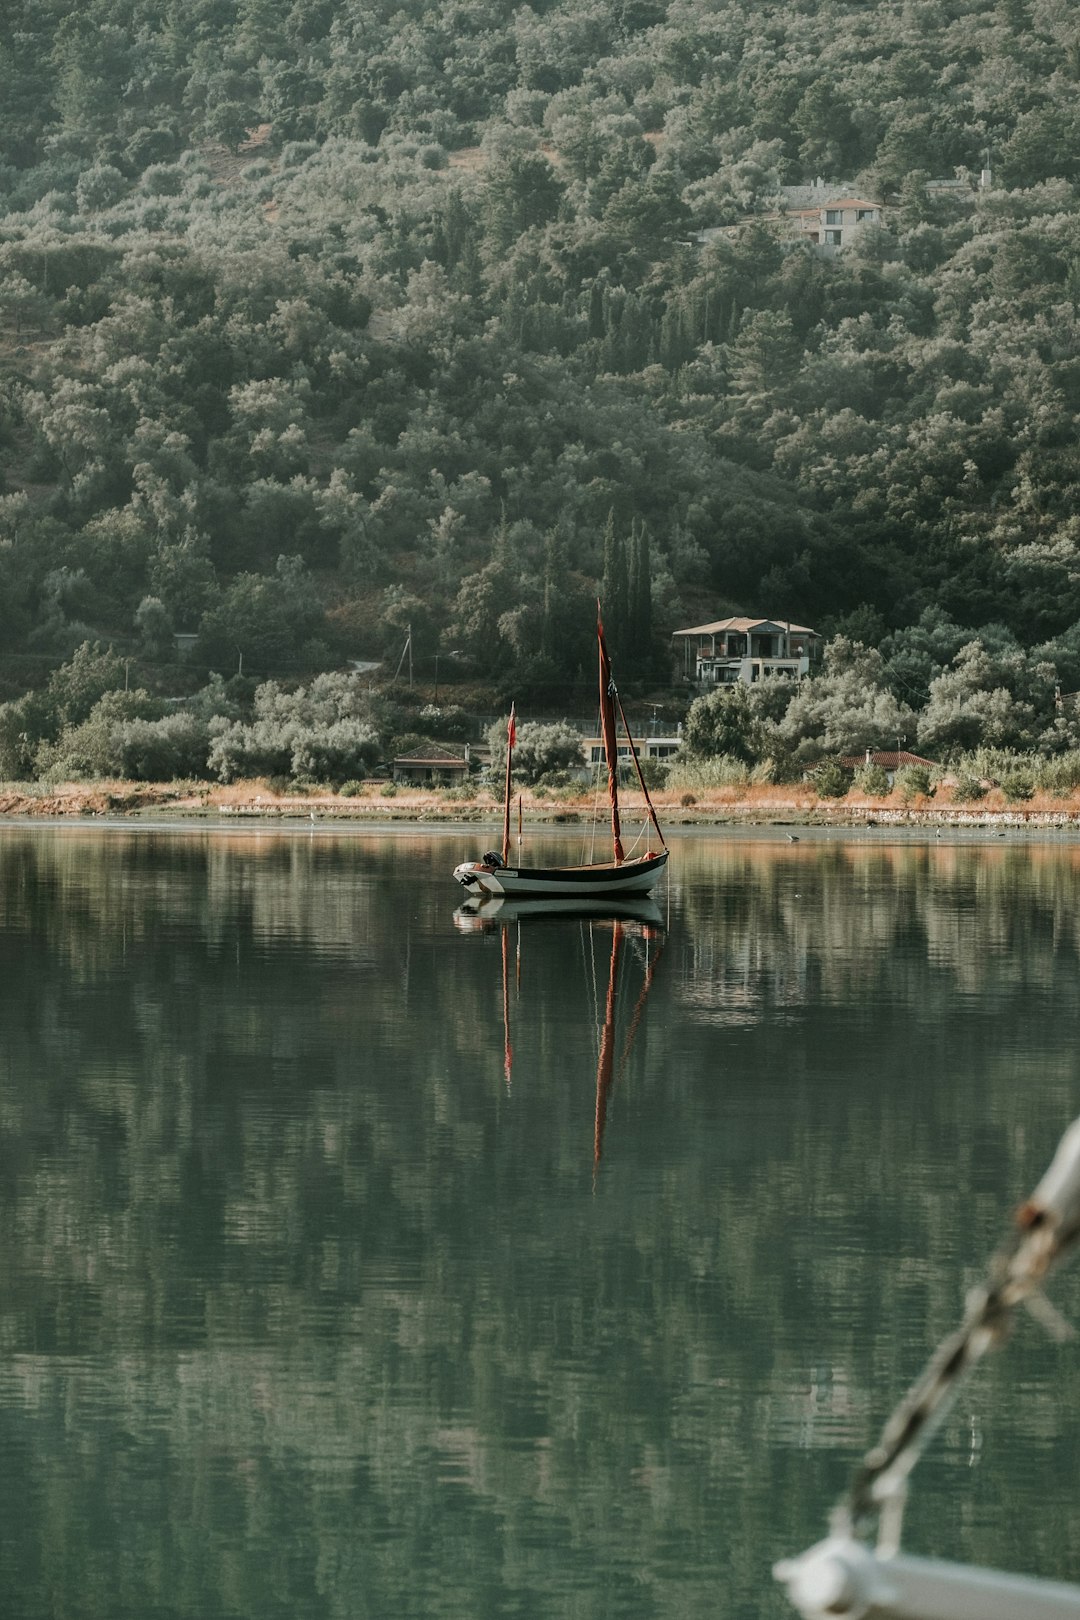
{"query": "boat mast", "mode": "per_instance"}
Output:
(607, 725)
(511, 739)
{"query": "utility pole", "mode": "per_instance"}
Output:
(406, 649)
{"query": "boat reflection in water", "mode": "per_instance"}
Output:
(486, 914)
(636, 929)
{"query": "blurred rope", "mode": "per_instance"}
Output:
(1046, 1231)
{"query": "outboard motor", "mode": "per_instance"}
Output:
(494, 860)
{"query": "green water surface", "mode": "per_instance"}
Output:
(330, 1285)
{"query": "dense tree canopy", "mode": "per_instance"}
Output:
(308, 310)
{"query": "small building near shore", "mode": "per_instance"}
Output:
(890, 761)
(658, 746)
(432, 766)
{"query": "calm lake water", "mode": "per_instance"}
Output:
(330, 1286)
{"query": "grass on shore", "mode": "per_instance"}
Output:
(750, 802)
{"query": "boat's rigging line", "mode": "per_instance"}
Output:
(588, 935)
(589, 956)
(588, 838)
(652, 962)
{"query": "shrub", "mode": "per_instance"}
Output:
(1017, 786)
(237, 750)
(293, 153)
(99, 187)
(1060, 775)
(831, 781)
(164, 750)
(539, 750)
(724, 722)
(336, 752)
(94, 747)
(320, 732)
(873, 780)
(913, 782)
(968, 789)
(721, 771)
(162, 180)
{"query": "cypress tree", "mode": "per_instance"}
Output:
(596, 309)
(639, 603)
(643, 595)
(615, 588)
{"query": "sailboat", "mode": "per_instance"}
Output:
(493, 875)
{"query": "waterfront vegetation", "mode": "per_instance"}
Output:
(335, 734)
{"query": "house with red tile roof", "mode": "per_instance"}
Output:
(432, 765)
(891, 760)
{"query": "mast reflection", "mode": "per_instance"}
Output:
(636, 927)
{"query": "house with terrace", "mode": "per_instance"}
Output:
(747, 650)
(827, 216)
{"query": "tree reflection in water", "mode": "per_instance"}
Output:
(304, 1313)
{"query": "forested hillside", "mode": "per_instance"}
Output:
(324, 318)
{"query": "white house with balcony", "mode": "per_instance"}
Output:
(746, 650)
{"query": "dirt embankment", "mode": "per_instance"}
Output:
(759, 805)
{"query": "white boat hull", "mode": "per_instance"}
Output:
(604, 880)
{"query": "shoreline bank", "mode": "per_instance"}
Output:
(721, 807)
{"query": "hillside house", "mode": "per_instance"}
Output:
(827, 216)
(746, 650)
